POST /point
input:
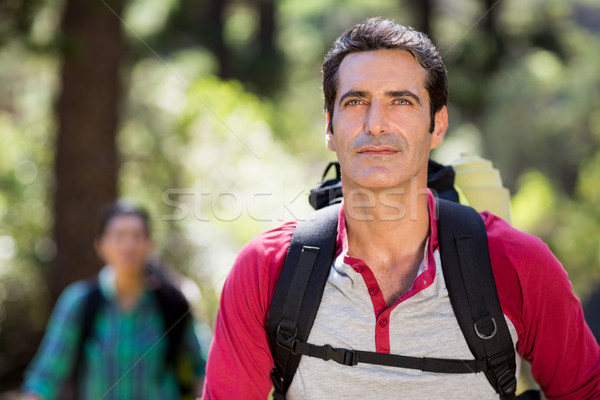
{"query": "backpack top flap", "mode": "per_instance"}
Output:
(440, 179)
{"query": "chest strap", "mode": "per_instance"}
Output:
(353, 357)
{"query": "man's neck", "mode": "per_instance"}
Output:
(129, 287)
(388, 230)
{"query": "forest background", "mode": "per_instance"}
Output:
(209, 113)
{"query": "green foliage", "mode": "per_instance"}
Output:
(26, 245)
(16, 17)
(535, 200)
(539, 102)
(578, 228)
(26, 155)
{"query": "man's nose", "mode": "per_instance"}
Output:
(377, 123)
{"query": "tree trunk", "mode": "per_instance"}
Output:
(265, 69)
(423, 9)
(266, 31)
(490, 21)
(216, 23)
(495, 46)
(87, 113)
(198, 22)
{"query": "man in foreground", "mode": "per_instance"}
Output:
(385, 93)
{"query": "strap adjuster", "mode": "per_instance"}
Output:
(341, 356)
(507, 382)
(497, 360)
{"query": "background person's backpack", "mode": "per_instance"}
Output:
(467, 272)
(174, 309)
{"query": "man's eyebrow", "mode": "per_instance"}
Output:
(403, 93)
(352, 93)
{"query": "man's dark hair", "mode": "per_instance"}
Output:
(119, 209)
(378, 34)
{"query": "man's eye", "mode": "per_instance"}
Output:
(353, 102)
(403, 102)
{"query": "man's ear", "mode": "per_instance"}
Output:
(329, 140)
(439, 130)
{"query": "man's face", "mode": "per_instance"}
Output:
(381, 120)
(125, 244)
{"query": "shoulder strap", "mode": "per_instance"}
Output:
(472, 289)
(175, 312)
(92, 302)
(174, 309)
(299, 291)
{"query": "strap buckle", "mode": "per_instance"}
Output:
(341, 356)
(286, 334)
(507, 382)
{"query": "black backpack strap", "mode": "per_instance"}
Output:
(468, 274)
(92, 301)
(176, 315)
(299, 291)
(353, 357)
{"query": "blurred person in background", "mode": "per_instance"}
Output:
(126, 334)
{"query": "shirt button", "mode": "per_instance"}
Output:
(359, 269)
(373, 291)
(383, 322)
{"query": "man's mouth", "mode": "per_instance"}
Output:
(378, 151)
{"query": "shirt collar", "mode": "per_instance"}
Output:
(106, 280)
(427, 269)
(108, 286)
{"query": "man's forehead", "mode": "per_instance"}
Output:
(381, 69)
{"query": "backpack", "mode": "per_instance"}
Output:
(174, 310)
(467, 271)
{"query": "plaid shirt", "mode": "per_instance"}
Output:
(124, 357)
